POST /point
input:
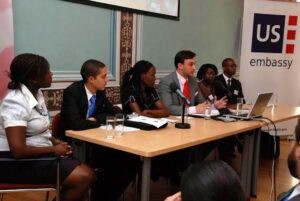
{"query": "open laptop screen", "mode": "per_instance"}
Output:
(258, 107)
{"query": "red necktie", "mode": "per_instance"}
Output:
(186, 90)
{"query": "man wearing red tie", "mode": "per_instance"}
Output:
(183, 76)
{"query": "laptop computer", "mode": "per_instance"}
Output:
(257, 109)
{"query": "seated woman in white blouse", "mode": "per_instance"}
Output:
(24, 132)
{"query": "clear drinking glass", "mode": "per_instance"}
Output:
(110, 127)
(119, 124)
(207, 111)
(239, 105)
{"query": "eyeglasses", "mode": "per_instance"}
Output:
(41, 111)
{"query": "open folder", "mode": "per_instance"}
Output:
(145, 123)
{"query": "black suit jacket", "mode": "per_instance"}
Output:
(75, 106)
(235, 90)
(285, 195)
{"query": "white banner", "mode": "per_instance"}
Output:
(270, 53)
(6, 43)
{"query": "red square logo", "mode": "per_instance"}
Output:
(291, 34)
(289, 48)
(293, 20)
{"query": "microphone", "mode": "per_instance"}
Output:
(182, 125)
(225, 89)
(175, 88)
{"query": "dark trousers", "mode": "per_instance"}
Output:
(227, 145)
(114, 169)
(169, 165)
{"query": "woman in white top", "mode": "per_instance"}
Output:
(24, 132)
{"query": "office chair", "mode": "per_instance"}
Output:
(58, 131)
(57, 126)
(12, 187)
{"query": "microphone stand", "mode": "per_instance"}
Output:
(183, 125)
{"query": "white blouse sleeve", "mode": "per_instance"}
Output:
(15, 111)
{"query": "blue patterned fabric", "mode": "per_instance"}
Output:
(92, 106)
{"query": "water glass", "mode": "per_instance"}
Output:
(110, 127)
(239, 105)
(207, 111)
(119, 124)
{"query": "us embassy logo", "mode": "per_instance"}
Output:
(268, 37)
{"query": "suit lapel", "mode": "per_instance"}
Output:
(225, 83)
(223, 80)
(192, 92)
(233, 82)
(296, 198)
(175, 79)
(83, 99)
(100, 102)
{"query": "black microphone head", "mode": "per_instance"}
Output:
(174, 87)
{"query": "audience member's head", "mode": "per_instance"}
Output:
(212, 180)
(143, 72)
(294, 156)
(30, 70)
(229, 67)
(185, 63)
(94, 75)
(207, 72)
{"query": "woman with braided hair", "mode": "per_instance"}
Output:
(24, 133)
(138, 93)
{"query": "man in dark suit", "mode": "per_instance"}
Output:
(226, 84)
(294, 167)
(114, 169)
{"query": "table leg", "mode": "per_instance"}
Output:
(247, 162)
(256, 152)
(146, 179)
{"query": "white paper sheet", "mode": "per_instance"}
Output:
(126, 128)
